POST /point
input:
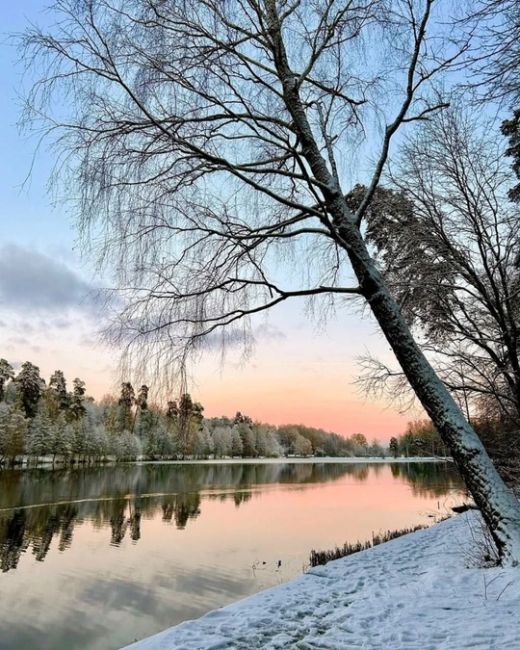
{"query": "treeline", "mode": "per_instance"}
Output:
(40, 419)
(421, 438)
(498, 434)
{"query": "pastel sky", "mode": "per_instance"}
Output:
(300, 370)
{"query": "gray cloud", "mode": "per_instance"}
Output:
(269, 332)
(32, 281)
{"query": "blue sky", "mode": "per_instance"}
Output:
(304, 372)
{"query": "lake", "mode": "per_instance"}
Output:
(96, 558)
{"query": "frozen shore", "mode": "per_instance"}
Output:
(300, 460)
(420, 591)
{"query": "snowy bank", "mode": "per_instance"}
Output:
(299, 460)
(421, 591)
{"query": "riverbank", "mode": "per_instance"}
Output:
(46, 463)
(299, 460)
(424, 590)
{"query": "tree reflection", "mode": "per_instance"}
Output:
(39, 506)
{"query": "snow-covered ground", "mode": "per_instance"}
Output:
(422, 591)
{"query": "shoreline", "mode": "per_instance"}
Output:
(315, 460)
(422, 590)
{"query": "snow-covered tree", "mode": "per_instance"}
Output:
(301, 446)
(126, 446)
(77, 400)
(61, 439)
(393, 446)
(190, 417)
(203, 445)
(250, 162)
(6, 374)
(248, 438)
(236, 443)
(126, 403)
(267, 444)
(222, 441)
(97, 442)
(376, 450)
(30, 387)
(58, 389)
(13, 433)
(39, 436)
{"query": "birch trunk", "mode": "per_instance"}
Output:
(498, 505)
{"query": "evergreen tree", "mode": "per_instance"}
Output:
(126, 402)
(242, 419)
(77, 406)
(189, 421)
(511, 129)
(393, 447)
(172, 419)
(6, 373)
(248, 438)
(142, 398)
(30, 386)
(143, 417)
(58, 389)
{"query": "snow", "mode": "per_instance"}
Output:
(420, 591)
(298, 460)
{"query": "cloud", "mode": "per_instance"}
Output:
(269, 332)
(32, 281)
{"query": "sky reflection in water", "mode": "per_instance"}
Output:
(95, 558)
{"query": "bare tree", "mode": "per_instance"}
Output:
(495, 57)
(447, 243)
(211, 135)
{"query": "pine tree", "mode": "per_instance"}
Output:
(142, 398)
(58, 389)
(30, 386)
(189, 422)
(126, 402)
(77, 407)
(6, 373)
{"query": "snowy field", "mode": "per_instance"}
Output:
(418, 592)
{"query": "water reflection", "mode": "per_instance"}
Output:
(39, 506)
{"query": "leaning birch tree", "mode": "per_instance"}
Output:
(202, 140)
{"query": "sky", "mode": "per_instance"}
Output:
(299, 371)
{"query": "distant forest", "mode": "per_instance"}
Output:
(40, 419)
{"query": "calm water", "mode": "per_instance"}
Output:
(97, 558)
